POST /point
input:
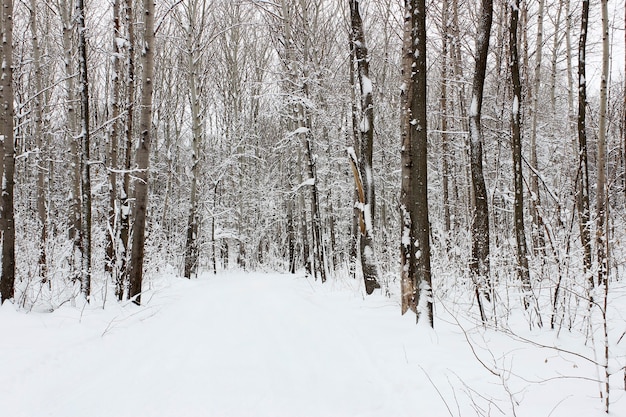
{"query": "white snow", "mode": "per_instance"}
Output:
(366, 85)
(244, 344)
(515, 105)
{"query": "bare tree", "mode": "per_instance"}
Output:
(601, 189)
(85, 175)
(516, 145)
(7, 142)
(480, 221)
(111, 255)
(365, 178)
(142, 158)
(38, 132)
(415, 271)
(535, 198)
(582, 193)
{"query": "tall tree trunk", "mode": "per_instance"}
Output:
(516, 140)
(415, 228)
(601, 189)
(443, 106)
(535, 199)
(125, 196)
(7, 142)
(582, 193)
(38, 122)
(479, 265)
(85, 178)
(72, 118)
(111, 253)
(366, 144)
(191, 246)
(556, 42)
(142, 158)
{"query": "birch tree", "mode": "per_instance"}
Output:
(85, 174)
(601, 189)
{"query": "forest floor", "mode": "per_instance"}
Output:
(254, 344)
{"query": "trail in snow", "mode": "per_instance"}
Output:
(249, 345)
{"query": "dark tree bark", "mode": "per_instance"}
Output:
(365, 179)
(582, 194)
(7, 142)
(415, 227)
(523, 273)
(85, 175)
(125, 199)
(443, 106)
(479, 264)
(142, 157)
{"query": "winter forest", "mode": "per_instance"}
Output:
(460, 162)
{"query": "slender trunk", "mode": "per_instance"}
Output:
(7, 142)
(443, 106)
(516, 141)
(555, 55)
(125, 199)
(191, 247)
(601, 189)
(38, 122)
(85, 175)
(142, 158)
(583, 188)
(366, 144)
(479, 265)
(68, 62)
(535, 199)
(111, 256)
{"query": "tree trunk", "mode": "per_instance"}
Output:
(125, 200)
(142, 158)
(7, 142)
(516, 144)
(111, 253)
(85, 177)
(443, 106)
(479, 265)
(191, 246)
(38, 122)
(366, 144)
(583, 174)
(415, 228)
(68, 58)
(535, 199)
(601, 189)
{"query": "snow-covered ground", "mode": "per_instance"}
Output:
(251, 344)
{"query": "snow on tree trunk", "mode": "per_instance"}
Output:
(479, 265)
(516, 145)
(365, 179)
(415, 274)
(582, 194)
(142, 157)
(38, 123)
(85, 175)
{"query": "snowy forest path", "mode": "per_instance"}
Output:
(231, 345)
